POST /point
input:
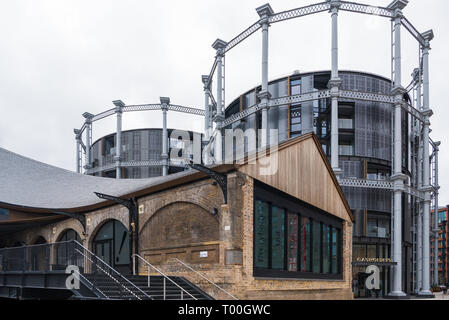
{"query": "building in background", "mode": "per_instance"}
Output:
(141, 155)
(443, 246)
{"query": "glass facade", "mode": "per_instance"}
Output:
(294, 240)
(139, 145)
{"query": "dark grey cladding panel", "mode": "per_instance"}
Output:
(371, 199)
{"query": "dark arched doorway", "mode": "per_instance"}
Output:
(65, 253)
(111, 244)
(39, 254)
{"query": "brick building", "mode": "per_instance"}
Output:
(283, 235)
(443, 246)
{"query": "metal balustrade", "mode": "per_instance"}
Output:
(203, 277)
(165, 278)
(56, 257)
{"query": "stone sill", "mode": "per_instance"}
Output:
(300, 279)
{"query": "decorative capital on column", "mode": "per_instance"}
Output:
(88, 116)
(264, 95)
(165, 101)
(427, 114)
(77, 133)
(397, 6)
(218, 118)
(335, 5)
(264, 12)
(399, 91)
(399, 177)
(436, 145)
(220, 46)
(334, 83)
(119, 104)
(205, 80)
(428, 36)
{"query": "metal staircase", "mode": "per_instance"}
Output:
(40, 272)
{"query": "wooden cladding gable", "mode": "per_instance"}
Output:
(304, 172)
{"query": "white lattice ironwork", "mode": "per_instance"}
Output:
(241, 115)
(103, 115)
(299, 98)
(415, 33)
(299, 12)
(176, 108)
(211, 74)
(366, 9)
(142, 163)
(371, 184)
(378, 184)
(142, 107)
(242, 36)
(366, 96)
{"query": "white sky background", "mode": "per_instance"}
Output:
(60, 58)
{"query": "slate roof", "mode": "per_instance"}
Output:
(25, 182)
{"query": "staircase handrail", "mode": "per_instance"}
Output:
(115, 271)
(202, 276)
(163, 274)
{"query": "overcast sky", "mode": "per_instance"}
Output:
(60, 58)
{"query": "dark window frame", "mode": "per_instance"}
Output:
(262, 192)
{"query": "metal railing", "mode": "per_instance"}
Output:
(202, 276)
(165, 277)
(56, 257)
(102, 268)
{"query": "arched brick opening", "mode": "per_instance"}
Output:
(182, 230)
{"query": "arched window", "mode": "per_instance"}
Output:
(111, 244)
(64, 249)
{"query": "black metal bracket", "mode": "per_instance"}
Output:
(131, 205)
(78, 216)
(221, 178)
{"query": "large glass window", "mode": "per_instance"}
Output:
(317, 246)
(292, 242)
(261, 235)
(327, 231)
(305, 245)
(277, 238)
(335, 251)
(292, 239)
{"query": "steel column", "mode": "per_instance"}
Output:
(88, 123)
(164, 102)
(78, 150)
(398, 177)
(436, 228)
(334, 85)
(264, 12)
(426, 168)
(207, 127)
(118, 146)
(219, 46)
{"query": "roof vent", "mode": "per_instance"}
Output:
(296, 72)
